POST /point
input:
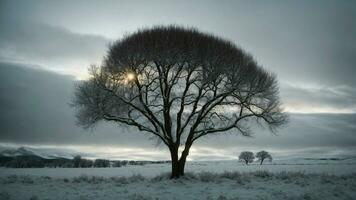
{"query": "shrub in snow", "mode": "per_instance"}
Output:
(89, 179)
(290, 176)
(82, 178)
(34, 197)
(136, 178)
(4, 196)
(120, 180)
(338, 191)
(231, 175)
(246, 156)
(236, 176)
(25, 179)
(208, 177)
(326, 178)
(161, 177)
(96, 179)
(46, 177)
(221, 197)
(10, 179)
(139, 197)
(189, 176)
(262, 174)
(308, 196)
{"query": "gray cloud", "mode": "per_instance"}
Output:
(303, 131)
(54, 47)
(315, 98)
(34, 105)
(35, 109)
(303, 41)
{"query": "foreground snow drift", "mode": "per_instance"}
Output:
(204, 185)
(204, 180)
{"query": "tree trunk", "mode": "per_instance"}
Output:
(175, 163)
(246, 162)
(178, 165)
(261, 161)
(181, 167)
(182, 162)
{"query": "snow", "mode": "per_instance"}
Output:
(151, 170)
(204, 180)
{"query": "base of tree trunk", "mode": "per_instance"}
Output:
(178, 164)
(177, 171)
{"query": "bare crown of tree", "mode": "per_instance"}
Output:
(179, 84)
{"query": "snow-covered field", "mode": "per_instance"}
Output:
(204, 180)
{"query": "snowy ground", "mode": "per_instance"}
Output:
(204, 180)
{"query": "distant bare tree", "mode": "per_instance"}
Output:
(179, 85)
(246, 156)
(262, 155)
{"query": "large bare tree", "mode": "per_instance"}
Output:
(179, 84)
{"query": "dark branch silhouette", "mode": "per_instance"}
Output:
(179, 85)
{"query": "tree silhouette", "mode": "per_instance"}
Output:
(179, 85)
(262, 155)
(246, 156)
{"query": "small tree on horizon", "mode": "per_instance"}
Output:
(247, 157)
(179, 85)
(262, 155)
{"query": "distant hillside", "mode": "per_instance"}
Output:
(28, 158)
(31, 158)
(25, 151)
(22, 151)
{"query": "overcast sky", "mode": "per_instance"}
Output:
(47, 46)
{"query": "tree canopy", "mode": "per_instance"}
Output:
(179, 84)
(247, 157)
(262, 155)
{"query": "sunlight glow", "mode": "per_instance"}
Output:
(130, 76)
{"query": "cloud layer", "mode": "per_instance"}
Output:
(55, 48)
(35, 111)
(319, 99)
(302, 42)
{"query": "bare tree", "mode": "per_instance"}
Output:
(262, 155)
(179, 85)
(246, 156)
